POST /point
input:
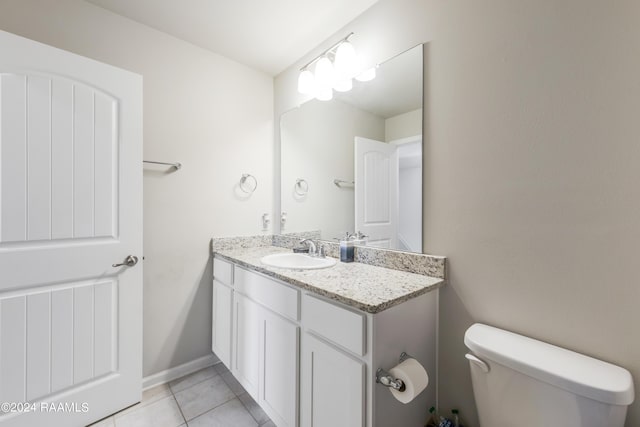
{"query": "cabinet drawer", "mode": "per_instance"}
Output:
(344, 327)
(223, 271)
(273, 295)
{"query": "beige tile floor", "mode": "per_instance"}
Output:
(210, 397)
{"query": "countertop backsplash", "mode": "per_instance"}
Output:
(427, 265)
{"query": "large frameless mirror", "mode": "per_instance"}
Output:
(355, 163)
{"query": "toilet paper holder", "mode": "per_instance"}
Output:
(386, 379)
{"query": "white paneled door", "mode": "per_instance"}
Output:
(376, 191)
(70, 207)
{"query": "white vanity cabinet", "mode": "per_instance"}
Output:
(264, 336)
(343, 347)
(222, 310)
(247, 333)
(333, 385)
(333, 376)
(266, 343)
(310, 361)
(279, 370)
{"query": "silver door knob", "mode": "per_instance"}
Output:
(129, 261)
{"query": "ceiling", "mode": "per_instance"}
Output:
(268, 35)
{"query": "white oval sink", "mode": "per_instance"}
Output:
(297, 261)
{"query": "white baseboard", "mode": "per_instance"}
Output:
(179, 371)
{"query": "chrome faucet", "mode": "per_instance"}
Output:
(314, 250)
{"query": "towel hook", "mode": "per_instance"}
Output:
(302, 187)
(246, 183)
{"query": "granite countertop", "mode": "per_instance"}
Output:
(366, 287)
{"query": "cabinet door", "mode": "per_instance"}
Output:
(221, 326)
(333, 386)
(246, 350)
(279, 390)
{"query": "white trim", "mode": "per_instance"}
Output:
(179, 371)
(407, 140)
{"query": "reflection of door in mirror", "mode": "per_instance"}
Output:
(318, 145)
(388, 192)
(376, 188)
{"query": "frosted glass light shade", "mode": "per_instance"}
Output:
(344, 85)
(306, 82)
(325, 75)
(345, 61)
(324, 93)
(367, 75)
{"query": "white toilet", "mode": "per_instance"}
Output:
(522, 382)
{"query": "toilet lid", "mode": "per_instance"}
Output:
(568, 370)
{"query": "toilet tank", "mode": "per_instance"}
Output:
(522, 382)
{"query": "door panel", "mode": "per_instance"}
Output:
(62, 329)
(246, 354)
(83, 127)
(222, 327)
(66, 183)
(13, 158)
(333, 390)
(82, 331)
(376, 191)
(70, 207)
(105, 148)
(67, 335)
(38, 158)
(376, 187)
(62, 156)
(280, 370)
(12, 349)
(38, 344)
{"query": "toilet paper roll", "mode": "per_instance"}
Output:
(415, 379)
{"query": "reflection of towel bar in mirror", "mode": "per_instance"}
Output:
(175, 165)
(302, 187)
(342, 183)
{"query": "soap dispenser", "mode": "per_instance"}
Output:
(346, 248)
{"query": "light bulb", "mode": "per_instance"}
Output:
(344, 85)
(324, 93)
(325, 75)
(367, 75)
(306, 82)
(345, 61)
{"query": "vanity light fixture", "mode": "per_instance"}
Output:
(306, 81)
(367, 75)
(345, 60)
(335, 69)
(324, 79)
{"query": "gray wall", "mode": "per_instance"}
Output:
(210, 113)
(532, 168)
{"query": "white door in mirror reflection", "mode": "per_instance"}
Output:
(376, 191)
